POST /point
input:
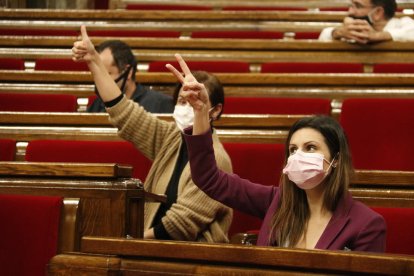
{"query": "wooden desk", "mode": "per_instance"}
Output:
(111, 203)
(137, 257)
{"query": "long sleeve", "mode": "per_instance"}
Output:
(326, 34)
(401, 29)
(140, 127)
(229, 189)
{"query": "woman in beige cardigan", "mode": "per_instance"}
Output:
(189, 214)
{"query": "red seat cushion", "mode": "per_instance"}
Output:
(263, 8)
(167, 7)
(238, 34)
(270, 105)
(134, 33)
(209, 66)
(29, 233)
(11, 64)
(60, 64)
(380, 132)
(120, 152)
(393, 68)
(39, 32)
(38, 102)
(312, 67)
(307, 35)
(7, 149)
(265, 169)
(400, 229)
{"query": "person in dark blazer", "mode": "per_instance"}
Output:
(312, 207)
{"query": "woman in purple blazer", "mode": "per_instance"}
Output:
(312, 208)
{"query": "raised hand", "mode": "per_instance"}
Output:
(193, 92)
(83, 50)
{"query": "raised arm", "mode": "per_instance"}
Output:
(83, 50)
(196, 95)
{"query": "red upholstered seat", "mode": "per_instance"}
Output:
(334, 9)
(271, 105)
(29, 233)
(307, 35)
(380, 132)
(60, 64)
(134, 33)
(210, 66)
(7, 149)
(260, 163)
(39, 32)
(120, 152)
(167, 7)
(393, 68)
(38, 102)
(400, 229)
(238, 34)
(263, 8)
(312, 67)
(11, 64)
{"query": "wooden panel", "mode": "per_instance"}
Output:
(179, 257)
(257, 121)
(65, 169)
(105, 205)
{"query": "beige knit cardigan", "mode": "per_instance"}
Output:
(195, 216)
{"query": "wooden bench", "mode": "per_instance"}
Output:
(149, 50)
(172, 258)
(111, 203)
(218, 4)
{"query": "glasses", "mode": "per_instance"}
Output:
(359, 6)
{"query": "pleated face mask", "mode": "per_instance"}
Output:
(306, 169)
(183, 116)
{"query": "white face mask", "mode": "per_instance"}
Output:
(183, 116)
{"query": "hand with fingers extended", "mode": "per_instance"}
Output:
(83, 50)
(194, 93)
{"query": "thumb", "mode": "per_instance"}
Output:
(84, 33)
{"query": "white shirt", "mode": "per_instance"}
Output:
(401, 29)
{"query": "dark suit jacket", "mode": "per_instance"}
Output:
(152, 101)
(353, 225)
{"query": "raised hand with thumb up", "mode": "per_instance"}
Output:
(83, 50)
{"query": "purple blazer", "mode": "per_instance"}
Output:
(353, 225)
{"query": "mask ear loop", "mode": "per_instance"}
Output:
(123, 77)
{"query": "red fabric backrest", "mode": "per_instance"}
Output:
(134, 33)
(120, 152)
(262, 8)
(11, 64)
(38, 102)
(260, 163)
(7, 149)
(209, 66)
(312, 67)
(271, 105)
(238, 34)
(380, 132)
(307, 35)
(400, 229)
(60, 64)
(29, 233)
(393, 68)
(334, 9)
(167, 7)
(40, 32)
